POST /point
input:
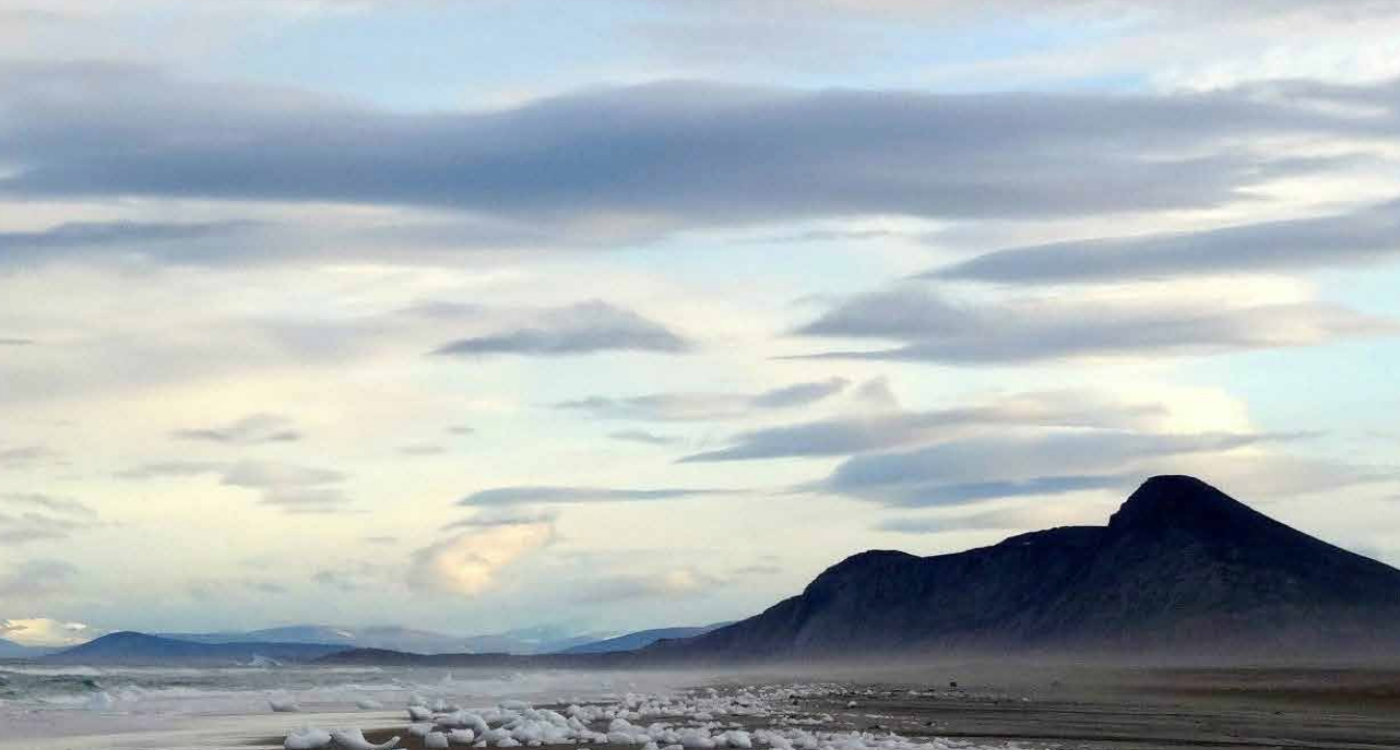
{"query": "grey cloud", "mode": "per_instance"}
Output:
(49, 503)
(30, 527)
(16, 342)
(1017, 465)
(682, 154)
(643, 437)
(583, 328)
(553, 495)
(1003, 519)
(863, 432)
(255, 429)
(33, 579)
(144, 238)
(933, 328)
(504, 516)
(421, 449)
(699, 406)
(25, 456)
(291, 487)
(1367, 236)
(462, 430)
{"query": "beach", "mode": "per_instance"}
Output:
(931, 706)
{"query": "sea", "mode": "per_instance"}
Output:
(81, 707)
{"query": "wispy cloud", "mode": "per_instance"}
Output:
(36, 579)
(563, 495)
(584, 328)
(931, 327)
(702, 406)
(1360, 237)
(254, 429)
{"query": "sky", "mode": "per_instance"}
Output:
(472, 315)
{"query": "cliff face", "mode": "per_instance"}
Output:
(1181, 567)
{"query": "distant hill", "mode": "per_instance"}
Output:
(640, 639)
(387, 637)
(1181, 568)
(12, 650)
(142, 649)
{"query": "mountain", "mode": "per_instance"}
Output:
(640, 639)
(1181, 568)
(142, 649)
(382, 637)
(12, 650)
(541, 639)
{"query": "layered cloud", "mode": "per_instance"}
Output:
(566, 495)
(44, 631)
(927, 325)
(583, 328)
(294, 488)
(704, 406)
(1357, 238)
(254, 429)
(1050, 463)
(866, 430)
(634, 156)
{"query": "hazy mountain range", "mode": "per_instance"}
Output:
(1180, 569)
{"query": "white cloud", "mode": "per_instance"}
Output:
(467, 564)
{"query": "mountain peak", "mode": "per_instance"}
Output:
(1175, 500)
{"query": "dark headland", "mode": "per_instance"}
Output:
(1180, 572)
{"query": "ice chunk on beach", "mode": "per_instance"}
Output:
(421, 729)
(307, 738)
(461, 736)
(368, 704)
(283, 706)
(420, 713)
(435, 741)
(354, 739)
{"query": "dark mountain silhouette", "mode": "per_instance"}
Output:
(142, 649)
(1180, 568)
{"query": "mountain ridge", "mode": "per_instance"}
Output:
(1181, 566)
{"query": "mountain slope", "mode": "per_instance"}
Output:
(142, 649)
(640, 639)
(1180, 568)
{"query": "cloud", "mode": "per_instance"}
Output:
(1027, 518)
(1357, 238)
(644, 437)
(869, 431)
(675, 583)
(47, 632)
(507, 516)
(469, 563)
(634, 157)
(16, 342)
(699, 406)
(583, 328)
(25, 456)
(1016, 465)
(254, 429)
(291, 487)
(170, 240)
(28, 528)
(556, 495)
(421, 449)
(931, 327)
(36, 579)
(48, 503)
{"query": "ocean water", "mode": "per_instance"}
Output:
(157, 707)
